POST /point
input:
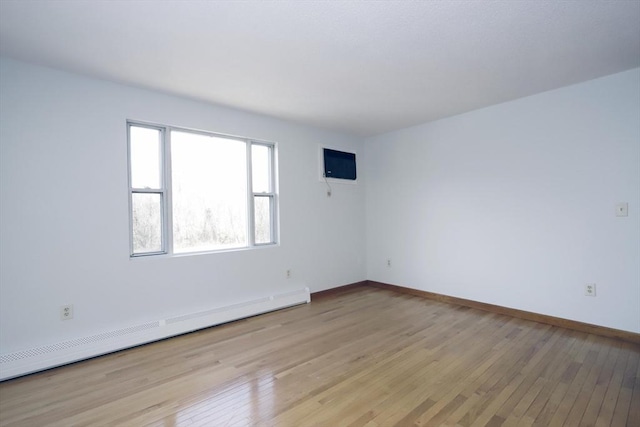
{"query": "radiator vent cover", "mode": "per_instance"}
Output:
(61, 353)
(65, 345)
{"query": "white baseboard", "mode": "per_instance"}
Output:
(41, 358)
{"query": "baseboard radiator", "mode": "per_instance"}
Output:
(40, 358)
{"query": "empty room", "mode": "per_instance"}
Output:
(319, 213)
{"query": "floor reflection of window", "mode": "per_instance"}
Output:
(243, 401)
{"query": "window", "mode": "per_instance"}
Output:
(197, 192)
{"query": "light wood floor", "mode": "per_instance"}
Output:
(365, 357)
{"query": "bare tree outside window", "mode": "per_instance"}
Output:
(209, 177)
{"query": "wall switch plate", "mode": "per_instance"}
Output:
(622, 209)
(590, 289)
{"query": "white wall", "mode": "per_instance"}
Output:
(511, 205)
(514, 204)
(64, 212)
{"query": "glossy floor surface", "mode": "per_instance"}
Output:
(364, 357)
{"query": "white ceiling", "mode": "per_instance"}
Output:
(360, 67)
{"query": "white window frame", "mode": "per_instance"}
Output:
(272, 195)
(166, 191)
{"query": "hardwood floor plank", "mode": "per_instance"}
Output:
(582, 399)
(499, 373)
(566, 373)
(602, 383)
(574, 388)
(485, 353)
(607, 408)
(633, 418)
(360, 357)
(552, 372)
(535, 369)
(623, 404)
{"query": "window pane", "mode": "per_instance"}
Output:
(261, 168)
(209, 182)
(147, 222)
(145, 157)
(262, 211)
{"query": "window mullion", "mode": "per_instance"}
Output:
(272, 194)
(130, 179)
(272, 216)
(167, 183)
(148, 190)
(251, 226)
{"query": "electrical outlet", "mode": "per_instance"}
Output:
(66, 312)
(389, 263)
(288, 274)
(590, 289)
